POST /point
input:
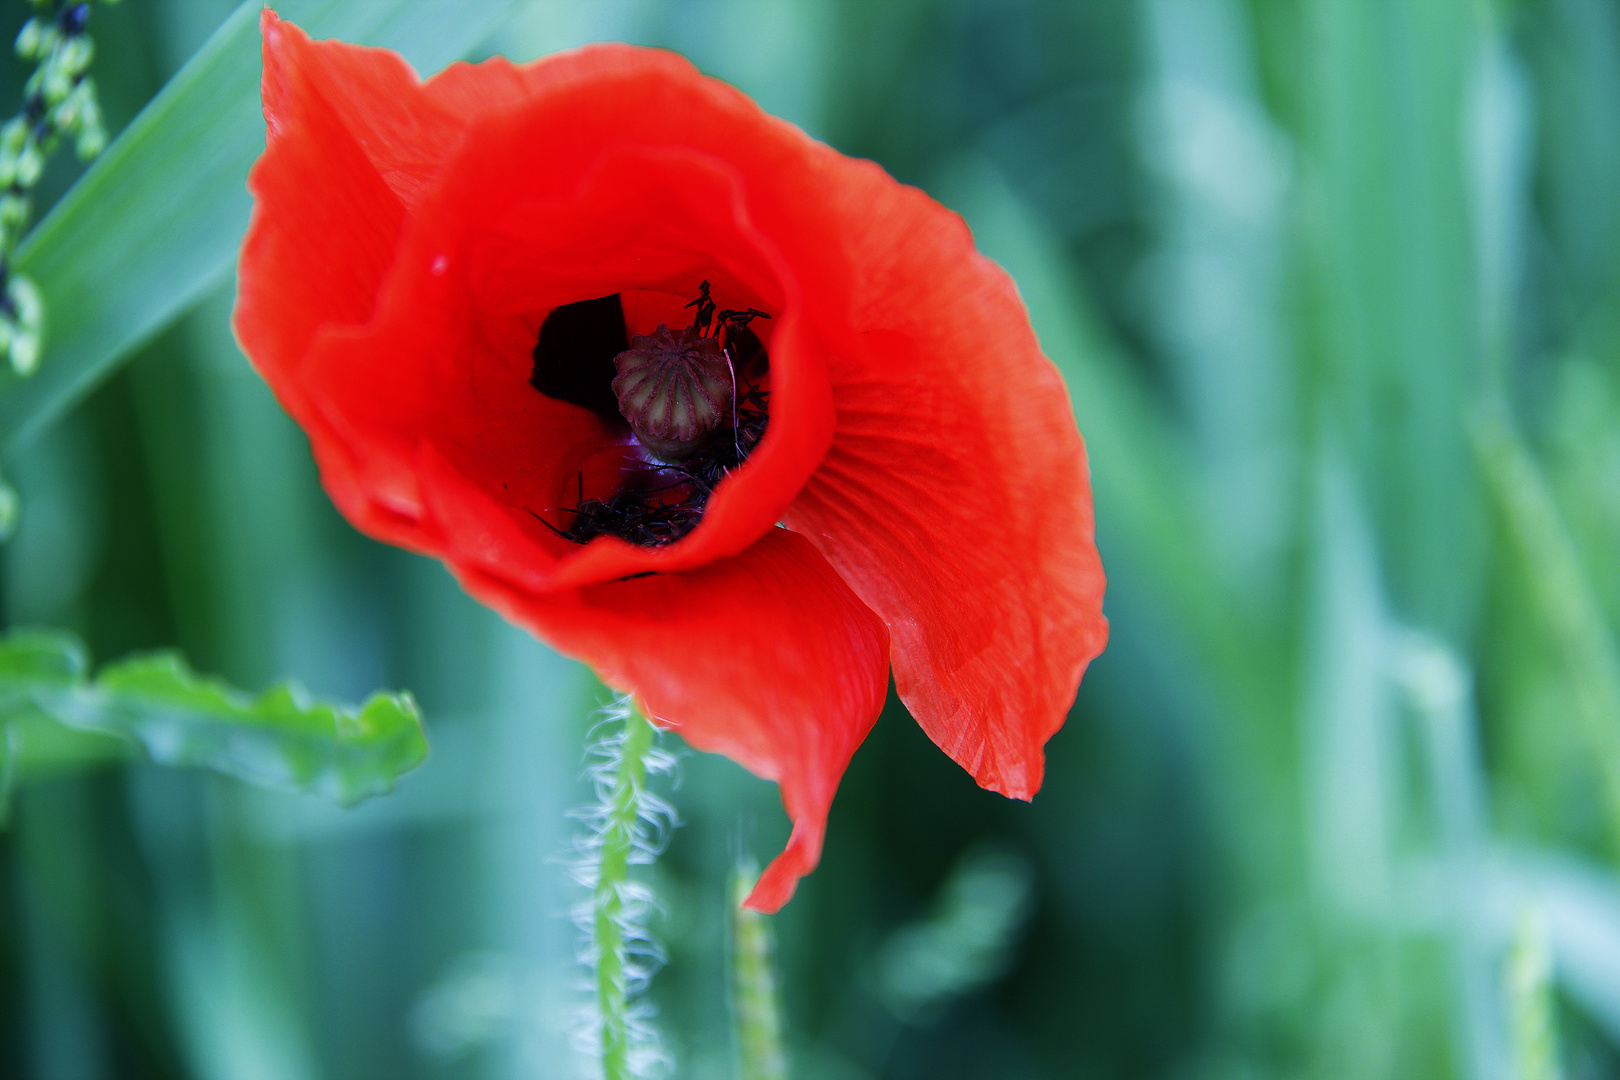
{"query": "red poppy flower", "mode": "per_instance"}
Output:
(737, 420)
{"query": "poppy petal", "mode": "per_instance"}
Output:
(324, 223)
(767, 658)
(955, 499)
(372, 93)
(321, 239)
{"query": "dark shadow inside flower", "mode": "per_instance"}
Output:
(573, 358)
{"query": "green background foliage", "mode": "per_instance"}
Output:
(1336, 289)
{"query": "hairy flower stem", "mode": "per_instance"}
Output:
(626, 825)
(618, 841)
(755, 1014)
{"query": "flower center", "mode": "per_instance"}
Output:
(687, 397)
(674, 389)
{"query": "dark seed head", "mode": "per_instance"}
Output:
(674, 388)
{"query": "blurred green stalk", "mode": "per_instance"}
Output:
(756, 1015)
(8, 771)
(1563, 596)
(1530, 999)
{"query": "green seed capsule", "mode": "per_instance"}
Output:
(75, 55)
(29, 303)
(30, 163)
(24, 353)
(29, 39)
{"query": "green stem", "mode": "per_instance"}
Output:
(618, 840)
(1530, 1000)
(755, 1012)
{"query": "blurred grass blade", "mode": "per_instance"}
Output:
(156, 221)
(1530, 1000)
(966, 942)
(277, 740)
(1578, 904)
(1568, 608)
(756, 1014)
(8, 770)
(1390, 271)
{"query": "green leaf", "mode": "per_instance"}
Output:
(32, 657)
(157, 220)
(279, 739)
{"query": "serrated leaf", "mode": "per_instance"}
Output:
(157, 220)
(42, 747)
(41, 656)
(279, 739)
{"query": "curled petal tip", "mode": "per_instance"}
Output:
(768, 898)
(273, 30)
(780, 880)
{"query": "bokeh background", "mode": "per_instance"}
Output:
(1334, 285)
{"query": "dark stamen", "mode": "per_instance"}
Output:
(642, 517)
(705, 309)
(747, 352)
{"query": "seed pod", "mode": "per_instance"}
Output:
(674, 388)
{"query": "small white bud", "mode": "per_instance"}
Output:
(24, 352)
(57, 83)
(92, 140)
(13, 209)
(30, 163)
(30, 304)
(10, 510)
(29, 39)
(13, 135)
(66, 115)
(75, 55)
